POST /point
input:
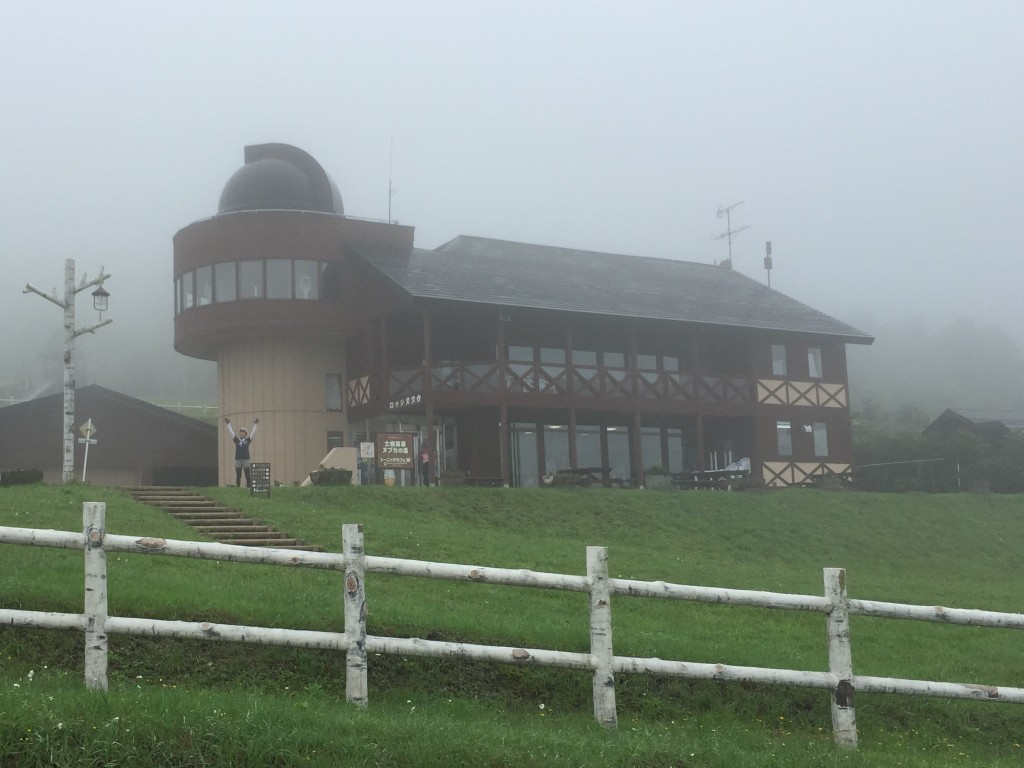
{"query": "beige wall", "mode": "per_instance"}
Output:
(283, 384)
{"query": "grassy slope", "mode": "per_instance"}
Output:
(952, 550)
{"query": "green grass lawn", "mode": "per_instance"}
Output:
(192, 703)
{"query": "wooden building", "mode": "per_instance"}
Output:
(508, 361)
(137, 443)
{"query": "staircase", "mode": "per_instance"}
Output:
(223, 524)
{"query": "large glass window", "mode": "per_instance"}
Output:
(556, 448)
(778, 360)
(618, 452)
(784, 437)
(814, 362)
(177, 295)
(524, 455)
(279, 279)
(204, 286)
(588, 446)
(677, 450)
(225, 282)
(820, 439)
(650, 446)
(306, 279)
(250, 279)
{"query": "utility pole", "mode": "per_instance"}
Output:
(99, 300)
(729, 233)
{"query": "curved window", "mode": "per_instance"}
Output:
(204, 286)
(306, 280)
(250, 280)
(279, 279)
(226, 281)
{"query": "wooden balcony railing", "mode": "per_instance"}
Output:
(545, 379)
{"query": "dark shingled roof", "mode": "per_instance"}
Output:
(509, 274)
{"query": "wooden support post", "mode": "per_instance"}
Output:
(840, 659)
(93, 524)
(638, 476)
(355, 614)
(601, 637)
(503, 449)
(573, 459)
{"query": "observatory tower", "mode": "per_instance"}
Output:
(270, 290)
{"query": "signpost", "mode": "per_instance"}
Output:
(394, 450)
(88, 430)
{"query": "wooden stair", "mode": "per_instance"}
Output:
(206, 515)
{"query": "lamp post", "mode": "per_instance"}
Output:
(99, 297)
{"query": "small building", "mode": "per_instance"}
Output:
(990, 425)
(137, 443)
(506, 361)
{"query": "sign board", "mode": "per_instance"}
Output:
(394, 450)
(366, 451)
(88, 429)
(259, 479)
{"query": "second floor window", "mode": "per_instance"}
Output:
(814, 362)
(333, 391)
(778, 360)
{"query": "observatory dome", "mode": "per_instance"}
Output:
(280, 177)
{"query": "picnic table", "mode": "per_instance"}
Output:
(595, 476)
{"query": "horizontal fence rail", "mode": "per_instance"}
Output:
(600, 661)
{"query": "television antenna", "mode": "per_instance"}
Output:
(729, 233)
(391, 189)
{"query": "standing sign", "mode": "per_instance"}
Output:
(88, 430)
(394, 450)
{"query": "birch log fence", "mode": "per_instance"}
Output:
(835, 604)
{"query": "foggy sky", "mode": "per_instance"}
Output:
(877, 145)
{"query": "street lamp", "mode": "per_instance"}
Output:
(99, 301)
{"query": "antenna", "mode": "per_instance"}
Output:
(768, 261)
(391, 189)
(729, 233)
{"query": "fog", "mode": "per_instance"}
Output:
(877, 145)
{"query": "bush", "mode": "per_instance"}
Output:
(331, 476)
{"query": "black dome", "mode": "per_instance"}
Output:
(280, 177)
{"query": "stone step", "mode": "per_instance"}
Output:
(210, 518)
(204, 514)
(168, 501)
(241, 528)
(276, 543)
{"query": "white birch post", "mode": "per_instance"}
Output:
(355, 615)
(840, 659)
(601, 637)
(93, 522)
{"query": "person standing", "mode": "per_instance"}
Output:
(425, 464)
(243, 462)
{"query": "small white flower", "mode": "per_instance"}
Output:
(31, 674)
(17, 685)
(541, 706)
(60, 726)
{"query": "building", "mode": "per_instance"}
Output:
(508, 361)
(987, 424)
(137, 443)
